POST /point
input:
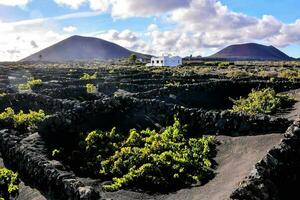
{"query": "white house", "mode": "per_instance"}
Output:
(165, 61)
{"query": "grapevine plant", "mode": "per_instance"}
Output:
(148, 159)
(27, 86)
(8, 183)
(86, 76)
(264, 101)
(91, 88)
(23, 119)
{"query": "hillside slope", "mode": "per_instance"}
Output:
(78, 48)
(251, 51)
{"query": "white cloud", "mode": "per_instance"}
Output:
(288, 34)
(19, 42)
(75, 4)
(25, 37)
(131, 8)
(14, 2)
(197, 24)
(128, 8)
(125, 38)
(69, 29)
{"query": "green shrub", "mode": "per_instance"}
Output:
(8, 183)
(24, 87)
(289, 74)
(27, 86)
(22, 118)
(150, 160)
(172, 84)
(264, 101)
(222, 65)
(86, 76)
(55, 153)
(132, 58)
(204, 70)
(32, 82)
(212, 63)
(3, 94)
(91, 88)
(237, 73)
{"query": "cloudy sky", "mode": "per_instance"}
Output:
(184, 27)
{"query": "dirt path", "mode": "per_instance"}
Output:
(294, 112)
(236, 158)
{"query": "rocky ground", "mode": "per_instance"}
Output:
(26, 192)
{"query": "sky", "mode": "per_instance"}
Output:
(178, 27)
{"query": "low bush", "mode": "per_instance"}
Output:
(27, 86)
(91, 88)
(55, 153)
(264, 101)
(8, 183)
(148, 159)
(86, 76)
(3, 94)
(237, 73)
(23, 119)
(289, 74)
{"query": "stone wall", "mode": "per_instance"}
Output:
(28, 156)
(127, 113)
(32, 101)
(212, 94)
(277, 175)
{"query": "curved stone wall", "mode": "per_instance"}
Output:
(277, 175)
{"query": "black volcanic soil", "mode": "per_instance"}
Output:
(294, 112)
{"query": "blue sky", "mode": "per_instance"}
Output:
(184, 27)
(286, 11)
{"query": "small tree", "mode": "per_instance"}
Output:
(132, 58)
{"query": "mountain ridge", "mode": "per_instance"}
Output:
(80, 48)
(251, 51)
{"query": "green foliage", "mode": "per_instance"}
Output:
(22, 118)
(148, 159)
(86, 76)
(91, 88)
(55, 153)
(224, 64)
(261, 101)
(237, 73)
(132, 58)
(212, 63)
(172, 84)
(2, 94)
(8, 183)
(289, 74)
(24, 87)
(31, 82)
(204, 70)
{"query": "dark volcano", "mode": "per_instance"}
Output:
(78, 48)
(251, 51)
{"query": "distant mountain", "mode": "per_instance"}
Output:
(251, 51)
(78, 48)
